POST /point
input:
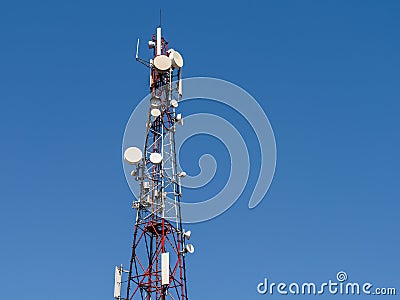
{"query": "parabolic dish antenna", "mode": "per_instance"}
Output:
(133, 155)
(162, 63)
(155, 112)
(155, 101)
(176, 59)
(155, 158)
(189, 248)
(174, 103)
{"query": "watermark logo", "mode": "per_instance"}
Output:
(341, 276)
(340, 286)
(227, 96)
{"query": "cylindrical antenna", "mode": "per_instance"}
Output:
(151, 74)
(180, 82)
(158, 41)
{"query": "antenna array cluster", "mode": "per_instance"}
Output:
(157, 267)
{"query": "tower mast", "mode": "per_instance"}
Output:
(157, 266)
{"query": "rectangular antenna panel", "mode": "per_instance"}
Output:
(117, 283)
(165, 268)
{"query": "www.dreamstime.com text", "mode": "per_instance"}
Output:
(332, 287)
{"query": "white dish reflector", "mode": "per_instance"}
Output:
(174, 103)
(187, 235)
(189, 248)
(155, 102)
(176, 59)
(133, 155)
(155, 112)
(162, 63)
(155, 158)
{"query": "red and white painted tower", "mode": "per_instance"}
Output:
(157, 266)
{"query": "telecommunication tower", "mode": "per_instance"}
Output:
(157, 266)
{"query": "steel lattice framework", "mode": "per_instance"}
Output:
(157, 265)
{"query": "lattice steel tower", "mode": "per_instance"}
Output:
(157, 266)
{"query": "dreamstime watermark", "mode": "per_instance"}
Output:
(339, 286)
(234, 138)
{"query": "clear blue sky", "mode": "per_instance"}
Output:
(325, 72)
